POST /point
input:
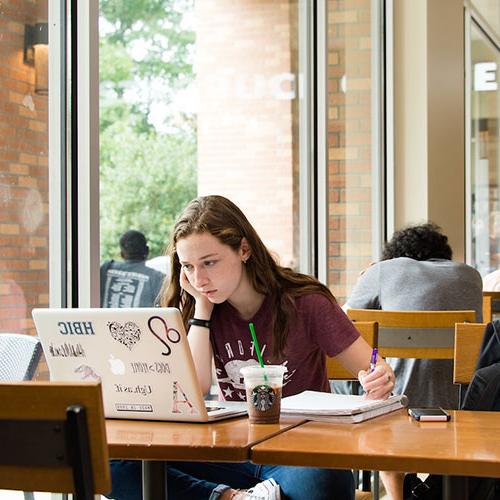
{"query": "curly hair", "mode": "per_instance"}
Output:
(422, 242)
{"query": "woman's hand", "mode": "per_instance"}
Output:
(203, 307)
(186, 285)
(379, 383)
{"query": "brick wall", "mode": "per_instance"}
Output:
(247, 119)
(349, 143)
(23, 174)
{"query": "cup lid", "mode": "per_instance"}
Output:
(258, 370)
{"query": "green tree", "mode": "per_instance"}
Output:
(147, 171)
(149, 196)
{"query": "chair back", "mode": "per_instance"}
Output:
(414, 334)
(369, 331)
(491, 305)
(468, 339)
(53, 438)
(19, 356)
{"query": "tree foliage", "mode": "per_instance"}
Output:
(147, 172)
(149, 196)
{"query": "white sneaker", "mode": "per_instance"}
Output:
(267, 490)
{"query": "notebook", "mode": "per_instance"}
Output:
(141, 356)
(339, 408)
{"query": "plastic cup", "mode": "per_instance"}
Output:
(263, 388)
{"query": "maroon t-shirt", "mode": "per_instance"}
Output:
(320, 328)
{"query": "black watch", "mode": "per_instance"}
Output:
(206, 323)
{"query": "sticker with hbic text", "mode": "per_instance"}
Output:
(134, 407)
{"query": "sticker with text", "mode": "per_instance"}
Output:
(76, 328)
(134, 407)
(66, 350)
(151, 367)
(143, 389)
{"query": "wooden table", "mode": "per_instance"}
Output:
(227, 440)
(467, 445)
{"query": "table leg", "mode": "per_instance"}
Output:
(455, 488)
(154, 480)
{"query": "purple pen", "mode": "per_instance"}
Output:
(373, 360)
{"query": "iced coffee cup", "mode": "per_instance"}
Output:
(263, 388)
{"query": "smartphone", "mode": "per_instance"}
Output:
(429, 414)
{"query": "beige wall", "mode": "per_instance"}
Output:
(429, 152)
(247, 113)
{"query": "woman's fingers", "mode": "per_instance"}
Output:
(378, 384)
(185, 284)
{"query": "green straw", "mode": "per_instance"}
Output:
(257, 348)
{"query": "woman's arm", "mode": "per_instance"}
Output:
(356, 358)
(199, 336)
(199, 343)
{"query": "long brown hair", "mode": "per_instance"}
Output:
(223, 219)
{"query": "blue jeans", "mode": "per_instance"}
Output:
(208, 480)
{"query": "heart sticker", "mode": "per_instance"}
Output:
(128, 334)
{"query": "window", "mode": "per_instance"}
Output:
(353, 165)
(24, 179)
(484, 151)
(199, 98)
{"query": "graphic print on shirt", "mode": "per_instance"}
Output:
(229, 377)
(123, 288)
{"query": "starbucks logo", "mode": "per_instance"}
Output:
(263, 397)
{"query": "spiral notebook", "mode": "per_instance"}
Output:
(339, 408)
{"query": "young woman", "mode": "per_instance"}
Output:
(223, 277)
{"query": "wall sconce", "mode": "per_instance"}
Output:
(36, 54)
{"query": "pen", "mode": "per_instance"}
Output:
(373, 360)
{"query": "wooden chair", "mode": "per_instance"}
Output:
(491, 305)
(335, 371)
(53, 438)
(19, 356)
(414, 334)
(468, 339)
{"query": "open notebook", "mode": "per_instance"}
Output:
(141, 355)
(341, 408)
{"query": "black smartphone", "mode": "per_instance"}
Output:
(429, 414)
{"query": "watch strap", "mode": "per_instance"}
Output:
(206, 323)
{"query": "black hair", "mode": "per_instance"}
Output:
(421, 242)
(133, 245)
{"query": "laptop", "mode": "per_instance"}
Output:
(141, 355)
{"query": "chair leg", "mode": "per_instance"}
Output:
(366, 483)
(76, 420)
(376, 485)
(356, 478)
